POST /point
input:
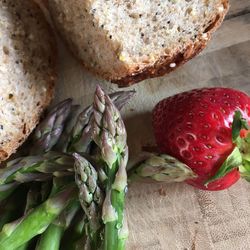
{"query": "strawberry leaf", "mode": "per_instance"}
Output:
(245, 152)
(245, 170)
(234, 160)
(239, 123)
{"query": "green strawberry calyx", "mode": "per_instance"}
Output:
(240, 156)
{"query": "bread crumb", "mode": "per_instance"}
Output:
(204, 36)
(44, 89)
(172, 65)
(221, 8)
(191, 11)
(122, 58)
(162, 192)
(6, 50)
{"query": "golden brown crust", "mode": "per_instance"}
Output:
(11, 147)
(162, 66)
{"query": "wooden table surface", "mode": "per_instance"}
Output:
(176, 216)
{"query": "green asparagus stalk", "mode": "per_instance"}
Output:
(35, 168)
(15, 234)
(23, 247)
(80, 138)
(160, 168)
(50, 129)
(7, 210)
(5, 216)
(45, 190)
(121, 98)
(75, 131)
(54, 129)
(6, 190)
(109, 134)
(91, 199)
(80, 132)
(68, 128)
(33, 199)
(75, 232)
(46, 136)
(64, 140)
(51, 238)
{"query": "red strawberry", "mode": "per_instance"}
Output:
(196, 128)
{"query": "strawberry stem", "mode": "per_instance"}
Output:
(239, 123)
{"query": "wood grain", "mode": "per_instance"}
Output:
(233, 31)
(178, 217)
(238, 7)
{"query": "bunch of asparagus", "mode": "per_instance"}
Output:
(71, 187)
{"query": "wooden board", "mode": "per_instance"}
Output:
(170, 217)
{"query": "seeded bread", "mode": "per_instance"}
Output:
(27, 71)
(131, 40)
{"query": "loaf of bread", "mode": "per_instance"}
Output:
(27, 71)
(131, 40)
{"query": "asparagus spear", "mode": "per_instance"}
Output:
(23, 247)
(15, 234)
(33, 199)
(121, 98)
(64, 140)
(6, 214)
(6, 190)
(80, 138)
(75, 232)
(91, 199)
(161, 168)
(7, 210)
(35, 168)
(50, 129)
(65, 125)
(51, 238)
(46, 136)
(45, 190)
(109, 134)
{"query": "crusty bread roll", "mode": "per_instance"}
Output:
(27, 71)
(131, 40)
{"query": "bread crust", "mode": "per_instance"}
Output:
(10, 147)
(163, 65)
